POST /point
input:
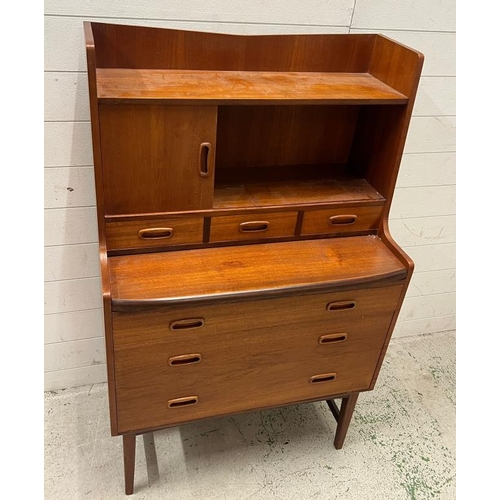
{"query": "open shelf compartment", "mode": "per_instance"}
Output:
(294, 186)
(293, 155)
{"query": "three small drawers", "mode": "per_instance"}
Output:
(186, 363)
(189, 230)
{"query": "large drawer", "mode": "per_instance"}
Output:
(250, 373)
(167, 231)
(364, 314)
(341, 220)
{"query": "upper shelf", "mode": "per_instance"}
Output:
(240, 87)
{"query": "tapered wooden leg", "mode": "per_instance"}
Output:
(344, 419)
(129, 462)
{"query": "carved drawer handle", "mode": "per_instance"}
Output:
(324, 377)
(341, 305)
(205, 149)
(342, 220)
(333, 338)
(156, 233)
(187, 324)
(184, 359)
(256, 226)
(180, 402)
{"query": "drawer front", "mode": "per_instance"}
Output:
(340, 220)
(188, 363)
(253, 227)
(366, 312)
(167, 231)
(155, 388)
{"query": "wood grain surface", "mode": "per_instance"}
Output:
(319, 221)
(271, 136)
(151, 157)
(253, 227)
(255, 187)
(236, 374)
(252, 269)
(237, 87)
(103, 256)
(160, 48)
(363, 323)
(125, 235)
(217, 140)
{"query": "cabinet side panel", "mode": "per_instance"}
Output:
(409, 264)
(381, 131)
(400, 67)
(379, 142)
(106, 294)
(396, 65)
(377, 146)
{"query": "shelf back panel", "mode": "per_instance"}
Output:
(260, 136)
(120, 46)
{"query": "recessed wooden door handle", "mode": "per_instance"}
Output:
(341, 305)
(255, 226)
(187, 324)
(156, 233)
(333, 338)
(323, 377)
(181, 402)
(342, 220)
(205, 158)
(184, 359)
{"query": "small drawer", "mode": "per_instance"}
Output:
(341, 220)
(167, 231)
(253, 227)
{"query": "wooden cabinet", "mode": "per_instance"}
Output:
(157, 158)
(243, 189)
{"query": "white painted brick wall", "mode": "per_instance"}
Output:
(422, 219)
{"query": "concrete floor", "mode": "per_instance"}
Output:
(401, 443)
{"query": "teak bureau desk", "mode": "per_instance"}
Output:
(243, 191)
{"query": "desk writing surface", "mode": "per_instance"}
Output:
(243, 270)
